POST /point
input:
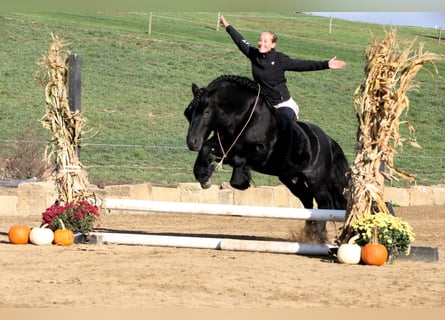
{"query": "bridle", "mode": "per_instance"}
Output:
(226, 153)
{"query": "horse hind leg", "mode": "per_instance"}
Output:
(314, 231)
(298, 187)
(326, 199)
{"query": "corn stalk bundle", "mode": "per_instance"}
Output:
(379, 103)
(65, 126)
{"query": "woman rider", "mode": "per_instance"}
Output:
(268, 68)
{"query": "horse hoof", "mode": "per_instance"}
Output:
(207, 184)
(242, 186)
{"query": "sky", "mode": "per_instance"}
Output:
(418, 19)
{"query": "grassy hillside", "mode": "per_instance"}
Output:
(136, 85)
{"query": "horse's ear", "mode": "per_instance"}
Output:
(195, 89)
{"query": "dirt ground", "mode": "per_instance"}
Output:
(110, 275)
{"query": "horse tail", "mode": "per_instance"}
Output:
(339, 174)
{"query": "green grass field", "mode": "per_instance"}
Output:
(135, 86)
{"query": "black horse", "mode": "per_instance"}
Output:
(248, 136)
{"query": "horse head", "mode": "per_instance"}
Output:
(200, 114)
(225, 105)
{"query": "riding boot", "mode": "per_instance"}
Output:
(287, 116)
(288, 165)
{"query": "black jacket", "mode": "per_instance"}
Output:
(268, 68)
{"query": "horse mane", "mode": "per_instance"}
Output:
(242, 82)
(238, 80)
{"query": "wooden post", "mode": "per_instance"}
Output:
(330, 24)
(217, 21)
(75, 87)
(150, 17)
(440, 34)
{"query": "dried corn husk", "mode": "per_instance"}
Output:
(65, 127)
(379, 103)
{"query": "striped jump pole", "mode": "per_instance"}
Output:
(224, 209)
(216, 242)
(197, 242)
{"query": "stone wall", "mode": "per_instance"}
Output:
(33, 198)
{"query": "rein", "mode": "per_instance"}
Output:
(226, 153)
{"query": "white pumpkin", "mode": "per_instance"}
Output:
(349, 253)
(41, 236)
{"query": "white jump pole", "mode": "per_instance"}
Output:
(212, 243)
(225, 209)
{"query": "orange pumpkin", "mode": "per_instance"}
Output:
(64, 237)
(374, 253)
(19, 234)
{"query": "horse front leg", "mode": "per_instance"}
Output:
(241, 175)
(203, 167)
